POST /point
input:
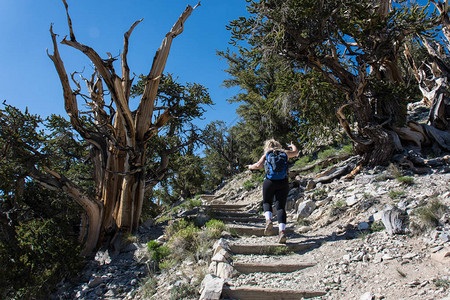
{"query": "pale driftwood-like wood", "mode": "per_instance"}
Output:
(145, 111)
(247, 268)
(337, 171)
(324, 163)
(255, 293)
(393, 220)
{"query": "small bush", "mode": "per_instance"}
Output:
(326, 153)
(195, 202)
(258, 177)
(408, 180)
(377, 226)
(442, 283)
(339, 204)
(430, 214)
(158, 253)
(347, 149)
(183, 291)
(396, 194)
(302, 162)
(215, 227)
(176, 226)
(248, 185)
(337, 208)
(319, 193)
(167, 264)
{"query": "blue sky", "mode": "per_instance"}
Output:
(29, 79)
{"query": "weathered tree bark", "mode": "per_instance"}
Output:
(119, 140)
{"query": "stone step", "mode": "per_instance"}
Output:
(227, 219)
(225, 206)
(247, 267)
(269, 249)
(221, 213)
(249, 292)
(254, 230)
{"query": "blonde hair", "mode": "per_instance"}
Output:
(272, 145)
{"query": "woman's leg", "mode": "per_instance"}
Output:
(268, 193)
(280, 202)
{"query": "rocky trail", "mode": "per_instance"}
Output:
(232, 258)
(335, 255)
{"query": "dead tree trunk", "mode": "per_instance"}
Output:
(433, 76)
(117, 137)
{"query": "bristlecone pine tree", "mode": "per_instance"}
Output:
(357, 47)
(117, 137)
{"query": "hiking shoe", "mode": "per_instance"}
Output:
(268, 228)
(282, 238)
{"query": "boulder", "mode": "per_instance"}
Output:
(221, 244)
(305, 208)
(225, 270)
(211, 288)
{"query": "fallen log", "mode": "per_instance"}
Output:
(324, 163)
(338, 171)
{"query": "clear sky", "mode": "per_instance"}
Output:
(28, 77)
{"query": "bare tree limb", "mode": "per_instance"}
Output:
(145, 110)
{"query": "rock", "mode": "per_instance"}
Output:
(305, 208)
(202, 218)
(310, 185)
(351, 200)
(444, 236)
(102, 257)
(367, 296)
(95, 282)
(221, 256)
(442, 256)
(359, 256)
(363, 226)
(409, 256)
(132, 247)
(387, 257)
(212, 269)
(377, 216)
(221, 244)
(225, 270)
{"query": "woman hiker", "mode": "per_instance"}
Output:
(275, 184)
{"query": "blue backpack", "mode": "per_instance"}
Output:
(276, 165)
